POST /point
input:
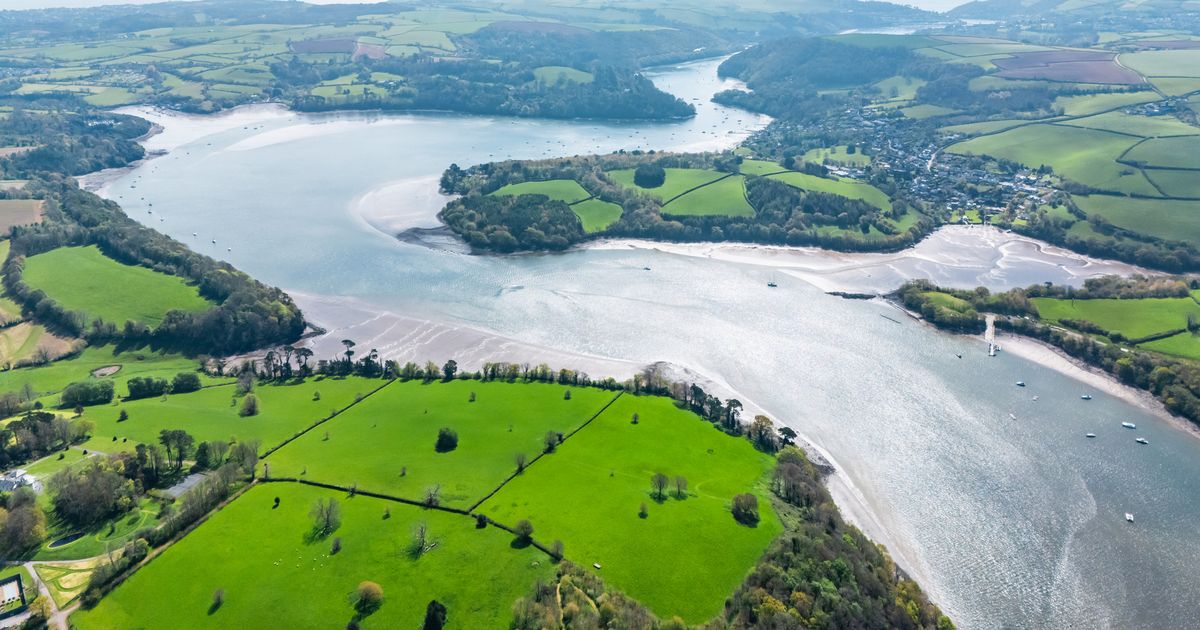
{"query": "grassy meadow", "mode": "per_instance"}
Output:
(276, 574)
(677, 182)
(85, 280)
(386, 444)
(726, 197)
(845, 187)
(53, 377)
(588, 495)
(567, 190)
(596, 215)
(1133, 318)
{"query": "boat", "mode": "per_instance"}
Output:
(1035, 399)
(1091, 435)
(1129, 516)
(1142, 441)
(1020, 383)
(1086, 397)
(1129, 425)
(772, 285)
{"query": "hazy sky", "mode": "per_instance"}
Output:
(933, 5)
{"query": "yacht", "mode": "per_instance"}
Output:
(1129, 425)
(772, 284)
(1129, 516)
(1086, 397)
(1091, 435)
(1020, 383)
(1142, 441)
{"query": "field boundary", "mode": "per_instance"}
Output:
(577, 429)
(326, 419)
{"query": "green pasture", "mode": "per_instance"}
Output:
(1134, 125)
(900, 88)
(845, 187)
(1171, 219)
(1135, 318)
(1185, 345)
(83, 279)
(921, 112)
(945, 300)
(1088, 104)
(53, 377)
(1182, 152)
(275, 573)
(985, 127)
(726, 197)
(1164, 63)
(1087, 156)
(212, 413)
(761, 167)
(567, 190)
(677, 182)
(1177, 183)
(596, 215)
(689, 553)
(386, 444)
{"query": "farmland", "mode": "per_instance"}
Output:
(845, 187)
(1134, 319)
(596, 215)
(725, 197)
(274, 573)
(1165, 218)
(677, 182)
(567, 190)
(85, 280)
(14, 212)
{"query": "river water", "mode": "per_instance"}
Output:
(1006, 522)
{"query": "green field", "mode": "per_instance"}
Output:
(899, 88)
(1185, 344)
(82, 279)
(588, 495)
(596, 215)
(946, 300)
(837, 155)
(1084, 155)
(275, 575)
(1177, 183)
(394, 432)
(1181, 152)
(567, 190)
(1133, 318)
(1143, 126)
(554, 74)
(760, 167)
(985, 127)
(677, 182)
(212, 413)
(53, 377)
(1164, 63)
(1088, 104)
(726, 197)
(106, 536)
(921, 112)
(844, 187)
(1165, 218)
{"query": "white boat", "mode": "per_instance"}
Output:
(1086, 397)
(1020, 383)
(1035, 399)
(1129, 516)
(1091, 435)
(1129, 425)
(1142, 441)
(1012, 416)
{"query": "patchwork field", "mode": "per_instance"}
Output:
(589, 492)
(274, 573)
(1087, 156)
(387, 443)
(1169, 219)
(725, 197)
(1133, 318)
(845, 187)
(1088, 104)
(567, 190)
(677, 182)
(1181, 153)
(83, 279)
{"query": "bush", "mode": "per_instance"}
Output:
(368, 597)
(249, 406)
(649, 176)
(524, 531)
(447, 440)
(146, 387)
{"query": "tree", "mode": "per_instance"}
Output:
(556, 549)
(447, 440)
(435, 616)
(218, 598)
(249, 406)
(521, 460)
(681, 486)
(649, 176)
(123, 416)
(185, 382)
(643, 511)
(551, 440)
(524, 531)
(762, 434)
(368, 597)
(449, 370)
(349, 343)
(658, 482)
(745, 508)
(327, 516)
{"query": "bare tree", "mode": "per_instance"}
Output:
(326, 515)
(681, 486)
(659, 483)
(521, 461)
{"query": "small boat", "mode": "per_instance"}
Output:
(1035, 399)
(1012, 416)
(1086, 397)
(772, 285)
(1090, 435)
(1142, 441)
(1020, 383)
(1129, 425)
(958, 355)
(645, 269)
(1129, 516)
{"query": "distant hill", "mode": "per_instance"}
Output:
(1005, 9)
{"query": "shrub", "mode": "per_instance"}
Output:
(185, 382)
(745, 508)
(249, 406)
(524, 531)
(368, 597)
